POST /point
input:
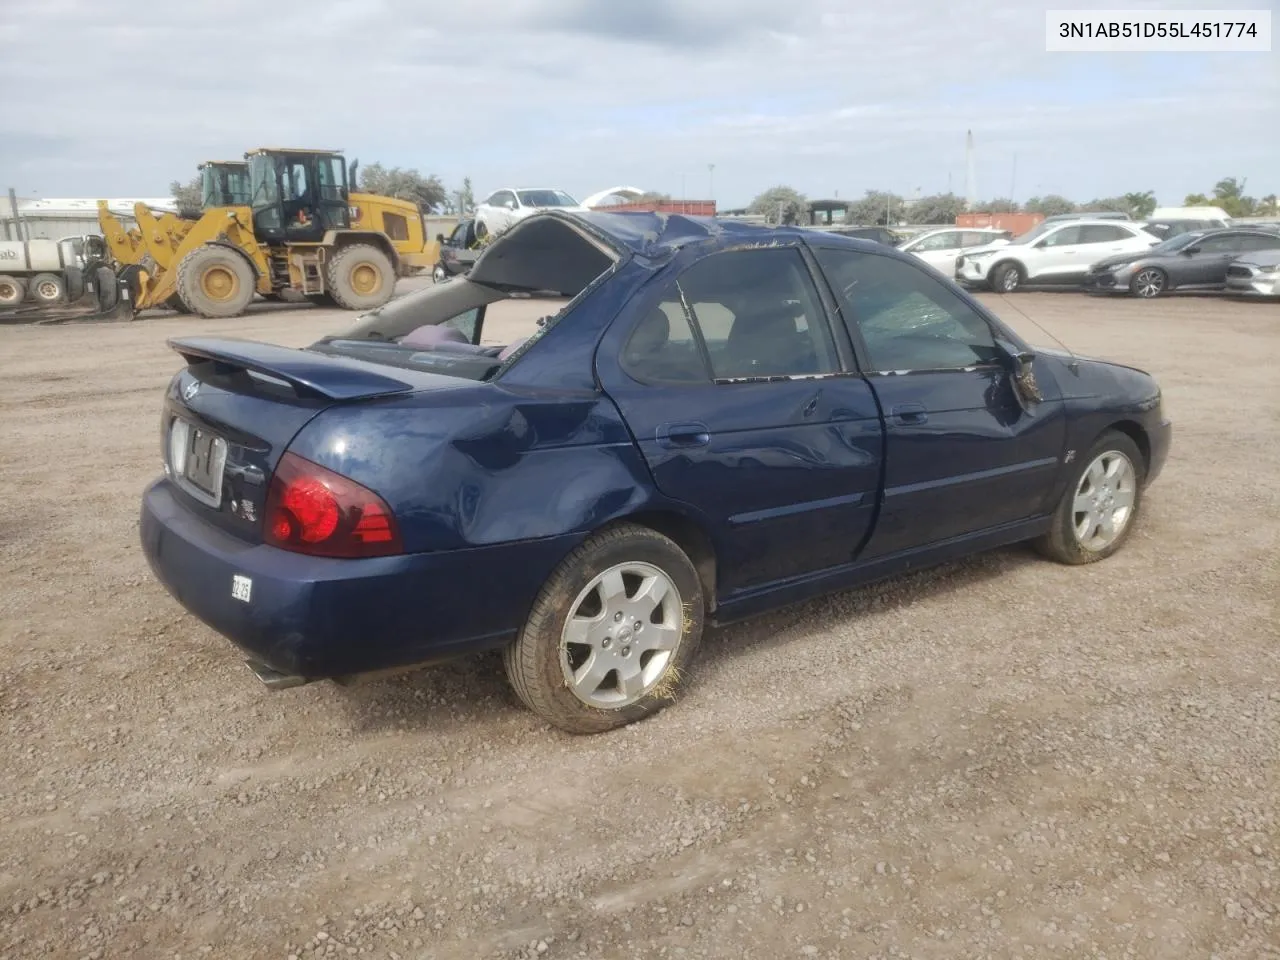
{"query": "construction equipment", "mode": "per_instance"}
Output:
(224, 183)
(302, 231)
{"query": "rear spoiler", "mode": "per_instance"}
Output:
(334, 378)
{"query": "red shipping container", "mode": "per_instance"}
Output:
(1016, 223)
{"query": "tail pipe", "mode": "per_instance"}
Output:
(274, 679)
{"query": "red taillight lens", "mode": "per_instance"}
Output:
(311, 509)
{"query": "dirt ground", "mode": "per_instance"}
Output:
(997, 758)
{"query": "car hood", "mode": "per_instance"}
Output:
(1081, 376)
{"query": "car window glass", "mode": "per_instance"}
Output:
(1102, 233)
(1222, 244)
(939, 241)
(662, 347)
(972, 238)
(759, 314)
(465, 322)
(1062, 237)
(908, 319)
(1257, 242)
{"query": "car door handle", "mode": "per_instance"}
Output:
(909, 413)
(686, 434)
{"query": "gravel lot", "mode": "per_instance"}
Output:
(997, 758)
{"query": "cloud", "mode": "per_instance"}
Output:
(118, 99)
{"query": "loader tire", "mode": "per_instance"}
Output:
(12, 290)
(47, 289)
(75, 284)
(215, 282)
(360, 277)
(108, 291)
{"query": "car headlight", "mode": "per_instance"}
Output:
(1121, 267)
(1269, 271)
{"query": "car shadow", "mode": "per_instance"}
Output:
(473, 690)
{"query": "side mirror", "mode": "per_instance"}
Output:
(439, 238)
(1022, 367)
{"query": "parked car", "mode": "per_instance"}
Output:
(725, 418)
(505, 207)
(878, 234)
(458, 251)
(1255, 274)
(939, 248)
(1052, 253)
(1089, 215)
(1167, 229)
(1188, 261)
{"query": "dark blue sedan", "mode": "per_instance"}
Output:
(723, 419)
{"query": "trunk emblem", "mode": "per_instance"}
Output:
(190, 390)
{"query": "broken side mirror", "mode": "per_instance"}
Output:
(1022, 368)
(440, 238)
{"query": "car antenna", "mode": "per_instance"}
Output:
(1075, 361)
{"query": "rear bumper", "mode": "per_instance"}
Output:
(314, 617)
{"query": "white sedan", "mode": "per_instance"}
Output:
(502, 208)
(939, 248)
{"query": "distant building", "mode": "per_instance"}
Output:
(54, 219)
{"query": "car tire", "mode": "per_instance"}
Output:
(1149, 283)
(1006, 278)
(607, 585)
(13, 290)
(216, 282)
(439, 274)
(47, 289)
(1108, 479)
(360, 277)
(482, 229)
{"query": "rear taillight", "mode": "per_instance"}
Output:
(311, 509)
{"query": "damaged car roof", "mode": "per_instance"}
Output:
(656, 236)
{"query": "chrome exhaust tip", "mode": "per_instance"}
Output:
(274, 679)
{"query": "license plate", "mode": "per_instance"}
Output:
(198, 458)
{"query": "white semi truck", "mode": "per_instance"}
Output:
(45, 272)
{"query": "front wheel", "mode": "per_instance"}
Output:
(1148, 283)
(1098, 508)
(1006, 278)
(611, 633)
(439, 275)
(360, 277)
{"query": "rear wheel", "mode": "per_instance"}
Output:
(360, 277)
(1006, 278)
(12, 290)
(75, 283)
(1148, 283)
(215, 282)
(1099, 506)
(611, 634)
(48, 288)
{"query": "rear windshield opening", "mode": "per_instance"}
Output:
(439, 328)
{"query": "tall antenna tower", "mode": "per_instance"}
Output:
(971, 178)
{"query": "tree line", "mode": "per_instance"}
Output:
(784, 204)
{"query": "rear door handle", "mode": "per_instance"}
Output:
(690, 433)
(909, 413)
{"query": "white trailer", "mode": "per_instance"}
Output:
(43, 271)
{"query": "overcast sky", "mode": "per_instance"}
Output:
(118, 97)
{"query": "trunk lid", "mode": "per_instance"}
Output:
(231, 413)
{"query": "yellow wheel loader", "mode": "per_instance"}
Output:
(301, 231)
